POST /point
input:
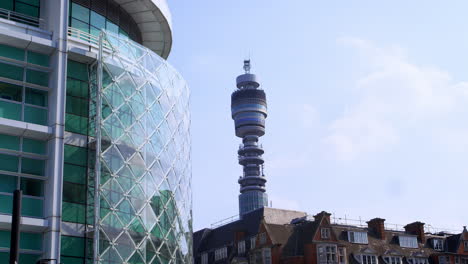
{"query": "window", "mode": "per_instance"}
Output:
(457, 260)
(438, 244)
(262, 238)
(77, 105)
(464, 260)
(325, 233)
(204, 258)
(418, 261)
(357, 237)
(91, 22)
(408, 241)
(393, 260)
(342, 255)
(241, 247)
(465, 245)
(267, 256)
(327, 254)
(220, 253)
(74, 184)
(22, 165)
(25, 7)
(252, 242)
(18, 101)
(368, 259)
(444, 260)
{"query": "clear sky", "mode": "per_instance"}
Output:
(368, 105)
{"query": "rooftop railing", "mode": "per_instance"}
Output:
(21, 18)
(86, 37)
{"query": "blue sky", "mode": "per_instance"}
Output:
(368, 105)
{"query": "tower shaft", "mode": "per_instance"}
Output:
(249, 110)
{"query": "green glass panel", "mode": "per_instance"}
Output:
(77, 106)
(11, 52)
(98, 21)
(122, 33)
(94, 31)
(77, 70)
(72, 212)
(111, 27)
(10, 110)
(77, 88)
(38, 58)
(36, 97)
(6, 204)
(32, 187)
(74, 193)
(75, 155)
(79, 25)
(8, 183)
(35, 115)
(6, 4)
(32, 207)
(71, 260)
(28, 258)
(72, 246)
(76, 124)
(8, 163)
(11, 92)
(11, 71)
(74, 173)
(9, 142)
(34, 146)
(31, 2)
(37, 77)
(32, 166)
(26, 9)
(31, 241)
(80, 12)
(5, 239)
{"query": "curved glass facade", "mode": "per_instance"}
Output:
(145, 188)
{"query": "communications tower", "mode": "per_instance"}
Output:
(249, 110)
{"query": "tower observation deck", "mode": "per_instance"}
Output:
(249, 110)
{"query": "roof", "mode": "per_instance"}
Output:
(206, 239)
(154, 21)
(279, 234)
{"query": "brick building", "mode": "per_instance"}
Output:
(274, 236)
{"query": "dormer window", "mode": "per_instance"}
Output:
(367, 259)
(357, 237)
(408, 241)
(262, 238)
(418, 261)
(444, 260)
(220, 253)
(325, 233)
(438, 244)
(252, 242)
(393, 260)
(204, 258)
(241, 247)
(465, 244)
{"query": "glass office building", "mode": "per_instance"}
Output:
(94, 129)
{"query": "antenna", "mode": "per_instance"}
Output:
(247, 66)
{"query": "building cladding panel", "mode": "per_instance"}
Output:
(48, 141)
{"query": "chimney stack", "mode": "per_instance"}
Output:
(377, 226)
(416, 228)
(323, 214)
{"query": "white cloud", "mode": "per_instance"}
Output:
(395, 94)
